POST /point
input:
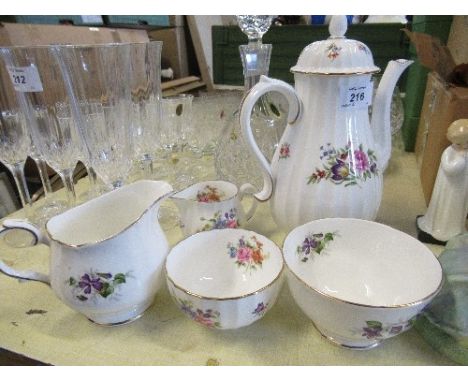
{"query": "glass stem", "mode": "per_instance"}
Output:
(117, 184)
(148, 167)
(92, 177)
(67, 179)
(43, 174)
(18, 174)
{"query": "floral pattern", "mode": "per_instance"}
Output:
(96, 284)
(333, 51)
(363, 48)
(261, 309)
(248, 254)
(209, 194)
(207, 317)
(314, 243)
(376, 329)
(284, 151)
(345, 165)
(219, 221)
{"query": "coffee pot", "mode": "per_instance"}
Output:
(331, 157)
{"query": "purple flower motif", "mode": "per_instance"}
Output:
(370, 333)
(219, 224)
(260, 309)
(87, 284)
(396, 329)
(362, 162)
(232, 252)
(340, 170)
(187, 309)
(308, 245)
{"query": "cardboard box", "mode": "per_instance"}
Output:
(37, 34)
(174, 51)
(445, 101)
(457, 39)
(150, 20)
(443, 104)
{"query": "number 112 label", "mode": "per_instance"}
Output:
(356, 94)
(25, 78)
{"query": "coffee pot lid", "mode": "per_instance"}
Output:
(337, 55)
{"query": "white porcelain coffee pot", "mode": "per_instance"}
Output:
(330, 159)
(106, 255)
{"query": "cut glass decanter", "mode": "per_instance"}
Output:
(233, 160)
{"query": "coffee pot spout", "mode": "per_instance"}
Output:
(380, 122)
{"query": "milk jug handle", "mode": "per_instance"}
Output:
(266, 85)
(248, 190)
(12, 224)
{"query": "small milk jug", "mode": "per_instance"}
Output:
(330, 159)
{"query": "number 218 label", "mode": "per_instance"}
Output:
(357, 94)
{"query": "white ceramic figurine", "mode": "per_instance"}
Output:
(448, 208)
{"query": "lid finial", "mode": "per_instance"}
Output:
(338, 26)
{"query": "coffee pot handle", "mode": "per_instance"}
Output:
(12, 224)
(266, 85)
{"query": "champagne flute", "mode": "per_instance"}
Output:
(146, 96)
(42, 89)
(15, 144)
(100, 74)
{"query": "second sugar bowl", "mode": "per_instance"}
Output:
(225, 279)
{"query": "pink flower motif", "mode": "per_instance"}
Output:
(284, 151)
(244, 254)
(203, 198)
(232, 223)
(362, 162)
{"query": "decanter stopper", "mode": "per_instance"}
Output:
(254, 26)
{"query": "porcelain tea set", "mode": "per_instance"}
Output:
(358, 281)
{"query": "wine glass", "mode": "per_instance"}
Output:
(44, 90)
(100, 74)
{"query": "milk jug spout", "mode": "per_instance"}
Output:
(380, 123)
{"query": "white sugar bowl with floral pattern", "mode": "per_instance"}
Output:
(225, 279)
(213, 204)
(360, 282)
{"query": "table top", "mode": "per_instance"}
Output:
(34, 323)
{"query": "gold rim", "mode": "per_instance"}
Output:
(334, 341)
(367, 305)
(374, 71)
(167, 194)
(334, 298)
(199, 296)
